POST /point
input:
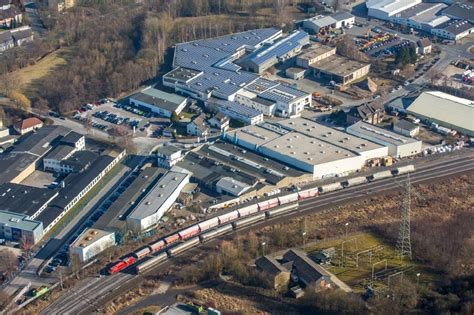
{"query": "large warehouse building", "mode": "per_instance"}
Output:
(398, 146)
(159, 102)
(159, 199)
(385, 9)
(309, 146)
(446, 110)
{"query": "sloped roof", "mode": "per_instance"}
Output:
(455, 111)
(28, 123)
(269, 265)
(307, 269)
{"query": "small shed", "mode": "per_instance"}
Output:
(295, 73)
(406, 128)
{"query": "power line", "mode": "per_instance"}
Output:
(404, 239)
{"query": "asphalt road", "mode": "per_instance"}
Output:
(95, 292)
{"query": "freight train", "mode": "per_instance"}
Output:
(245, 216)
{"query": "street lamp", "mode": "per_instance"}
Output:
(263, 248)
(418, 278)
(346, 225)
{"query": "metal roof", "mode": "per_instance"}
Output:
(391, 6)
(232, 186)
(379, 135)
(455, 111)
(213, 57)
(158, 195)
(456, 27)
(462, 11)
(279, 48)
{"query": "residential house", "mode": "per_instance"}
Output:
(10, 18)
(27, 125)
(372, 113)
(425, 46)
(198, 127)
(308, 271)
(22, 35)
(406, 128)
(277, 274)
(6, 41)
(219, 121)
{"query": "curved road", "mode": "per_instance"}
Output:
(95, 292)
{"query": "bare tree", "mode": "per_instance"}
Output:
(8, 262)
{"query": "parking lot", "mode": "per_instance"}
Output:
(108, 115)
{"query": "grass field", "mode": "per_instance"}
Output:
(28, 76)
(382, 253)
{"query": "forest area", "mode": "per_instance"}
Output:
(111, 47)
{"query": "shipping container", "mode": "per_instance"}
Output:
(172, 239)
(142, 252)
(206, 225)
(248, 210)
(308, 193)
(215, 233)
(156, 246)
(288, 198)
(183, 246)
(330, 187)
(404, 169)
(267, 204)
(354, 181)
(189, 232)
(231, 216)
(150, 263)
(281, 210)
(249, 220)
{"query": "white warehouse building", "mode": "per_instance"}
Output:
(91, 243)
(386, 9)
(398, 146)
(157, 201)
(309, 146)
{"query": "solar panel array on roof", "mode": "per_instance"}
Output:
(279, 49)
(214, 57)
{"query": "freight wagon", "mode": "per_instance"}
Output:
(189, 232)
(142, 252)
(404, 169)
(380, 175)
(308, 193)
(268, 204)
(354, 181)
(248, 221)
(245, 211)
(215, 233)
(231, 216)
(208, 224)
(183, 246)
(153, 261)
(330, 187)
(282, 210)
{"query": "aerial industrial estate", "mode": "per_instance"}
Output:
(244, 133)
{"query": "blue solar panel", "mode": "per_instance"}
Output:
(280, 48)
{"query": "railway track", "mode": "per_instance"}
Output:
(100, 290)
